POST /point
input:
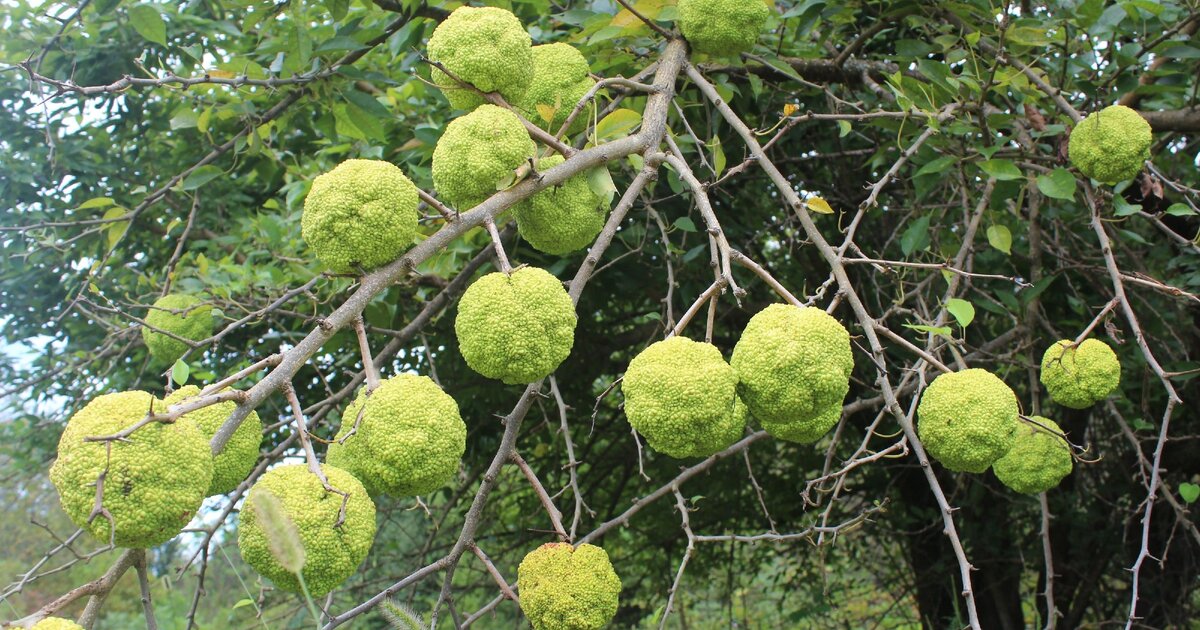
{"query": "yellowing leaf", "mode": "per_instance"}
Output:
(818, 205)
(546, 112)
(221, 74)
(790, 108)
(649, 8)
(202, 120)
(96, 202)
(413, 143)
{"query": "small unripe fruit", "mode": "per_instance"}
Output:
(486, 47)
(515, 327)
(179, 314)
(329, 553)
(235, 461)
(153, 481)
(408, 441)
(478, 155)
(681, 396)
(564, 588)
(724, 28)
(793, 366)
(967, 420)
(1038, 460)
(1110, 145)
(1080, 376)
(361, 215)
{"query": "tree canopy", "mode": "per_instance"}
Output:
(906, 167)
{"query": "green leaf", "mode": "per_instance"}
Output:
(1176, 210)
(338, 44)
(1003, 170)
(1088, 12)
(338, 8)
(243, 603)
(1037, 289)
(1059, 184)
(784, 67)
(1028, 36)
(1123, 208)
(203, 118)
(365, 121)
(844, 128)
(999, 237)
(201, 176)
(1189, 492)
(116, 229)
(104, 202)
(685, 224)
(962, 310)
(146, 20)
(936, 166)
(945, 331)
(718, 154)
(916, 237)
(617, 124)
(185, 119)
(180, 372)
(601, 183)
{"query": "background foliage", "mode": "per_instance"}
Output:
(109, 193)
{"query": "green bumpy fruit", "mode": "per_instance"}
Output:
(1079, 377)
(968, 420)
(331, 554)
(1110, 145)
(234, 463)
(515, 327)
(485, 47)
(564, 588)
(477, 155)
(1038, 460)
(812, 429)
(724, 28)
(409, 441)
(56, 623)
(793, 367)
(561, 219)
(561, 77)
(362, 214)
(681, 396)
(156, 478)
(193, 322)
